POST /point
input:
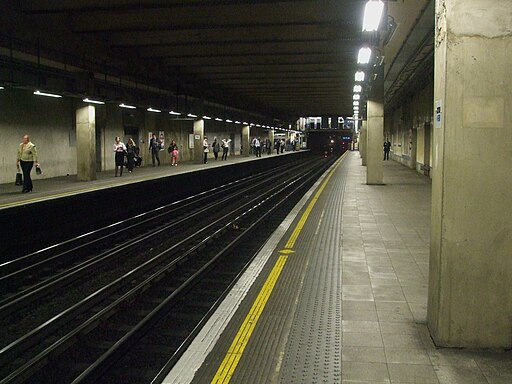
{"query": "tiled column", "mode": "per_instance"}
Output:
(246, 143)
(470, 288)
(86, 143)
(198, 141)
(375, 132)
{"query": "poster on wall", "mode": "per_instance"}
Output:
(191, 141)
(161, 138)
(439, 112)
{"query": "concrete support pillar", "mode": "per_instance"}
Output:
(470, 287)
(271, 138)
(86, 143)
(363, 143)
(375, 133)
(246, 141)
(198, 141)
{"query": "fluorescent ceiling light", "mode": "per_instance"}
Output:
(91, 101)
(153, 110)
(245, 123)
(355, 102)
(229, 121)
(237, 122)
(252, 125)
(372, 15)
(357, 88)
(174, 113)
(191, 115)
(364, 55)
(356, 96)
(39, 93)
(207, 117)
(123, 105)
(218, 119)
(2, 88)
(356, 109)
(258, 125)
(359, 76)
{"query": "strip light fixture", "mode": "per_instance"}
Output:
(355, 103)
(359, 76)
(207, 117)
(127, 106)
(39, 93)
(218, 119)
(2, 87)
(372, 15)
(174, 113)
(357, 96)
(153, 110)
(364, 55)
(229, 121)
(92, 101)
(191, 115)
(357, 88)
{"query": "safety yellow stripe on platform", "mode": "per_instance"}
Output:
(235, 351)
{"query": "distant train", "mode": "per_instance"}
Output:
(330, 142)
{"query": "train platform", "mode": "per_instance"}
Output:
(57, 187)
(338, 294)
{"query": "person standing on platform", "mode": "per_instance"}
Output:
(154, 148)
(215, 148)
(225, 148)
(27, 157)
(387, 148)
(277, 144)
(130, 155)
(256, 144)
(283, 143)
(119, 150)
(173, 150)
(205, 149)
(269, 147)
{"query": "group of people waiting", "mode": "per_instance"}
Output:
(216, 147)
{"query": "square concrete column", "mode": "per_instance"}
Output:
(363, 141)
(86, 143)
(470, 287)
(246, 141)
(375, 132)
(271, 138)
(198, 141)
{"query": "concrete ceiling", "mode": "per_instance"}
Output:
(278, 58)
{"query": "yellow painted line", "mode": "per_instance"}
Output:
(228, 365)
(305, 215)
(235, 351)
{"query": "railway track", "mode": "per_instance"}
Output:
(183, 254)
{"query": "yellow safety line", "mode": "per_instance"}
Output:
(235, 351)
(228, 365)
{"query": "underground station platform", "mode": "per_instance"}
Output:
(337, 294)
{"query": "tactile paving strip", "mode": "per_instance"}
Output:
(313, 351)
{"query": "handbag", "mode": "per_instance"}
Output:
(19, 179)
(38, 170)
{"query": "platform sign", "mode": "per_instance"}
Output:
(439, 104)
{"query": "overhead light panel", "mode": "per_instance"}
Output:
(207, 117)
(123, 105)
(372, 15)
(238, 122)
(218, 119)
(364, 55)
(191, 115)
(153, 110)
(91, 101)
(357, 88)
(359, 76)
(174, 113)
(357, 96)
(245, 123)
(229, 121)
(355, 103)
(2, 87)
(39, 93)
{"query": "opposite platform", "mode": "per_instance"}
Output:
(342, 299)
(55, 187)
